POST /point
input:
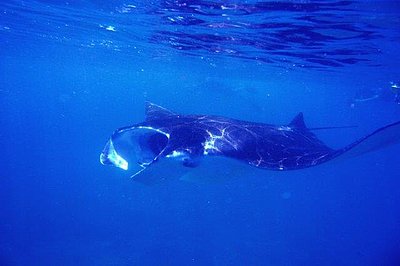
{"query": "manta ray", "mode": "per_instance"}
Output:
(166, 135)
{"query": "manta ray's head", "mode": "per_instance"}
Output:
(134, 147)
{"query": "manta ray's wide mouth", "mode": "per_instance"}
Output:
(135, 147)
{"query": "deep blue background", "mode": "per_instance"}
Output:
(60, 99)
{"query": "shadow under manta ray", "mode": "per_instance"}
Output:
(188, 138)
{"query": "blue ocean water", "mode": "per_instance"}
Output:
(71, 72)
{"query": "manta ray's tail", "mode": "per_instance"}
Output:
(380, 138)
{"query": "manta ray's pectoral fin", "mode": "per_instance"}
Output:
(155, 112)
(380, 138)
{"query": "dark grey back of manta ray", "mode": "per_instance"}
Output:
(265, 146)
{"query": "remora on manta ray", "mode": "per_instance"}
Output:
(188, 138)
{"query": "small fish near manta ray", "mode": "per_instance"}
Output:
(188, 138)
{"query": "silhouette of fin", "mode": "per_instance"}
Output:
(298, 121)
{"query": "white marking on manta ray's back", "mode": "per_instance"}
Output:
(284, 128)
(317, 160)
(209, 144)
(257, 162)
